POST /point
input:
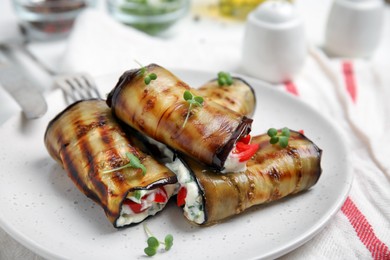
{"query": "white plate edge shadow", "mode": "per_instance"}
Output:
(32, 245)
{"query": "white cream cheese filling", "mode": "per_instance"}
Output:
(233, 164)
(150, 207)
(193, 207)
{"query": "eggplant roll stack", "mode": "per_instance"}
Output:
(239, 96)
(159, 110)
(272, 173)
(91, 146)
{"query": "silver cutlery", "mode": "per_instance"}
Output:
(74, 86)
(17, 83)
(77, 87)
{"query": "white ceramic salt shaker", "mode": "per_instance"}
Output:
(354, 27)
(274, 47)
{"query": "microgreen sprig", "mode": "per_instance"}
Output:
(281, 138)
(192, 101)
(154, 243)
(134, 162)
(224, 78)
(148, 77)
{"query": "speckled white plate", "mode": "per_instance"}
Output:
(42, 209)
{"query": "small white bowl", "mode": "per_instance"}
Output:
(354, 27)
(274, 47)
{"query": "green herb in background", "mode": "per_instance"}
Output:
(281, 138)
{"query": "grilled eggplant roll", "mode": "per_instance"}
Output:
(272, 173)
(91, 146)
(239, 96)
(158, 110)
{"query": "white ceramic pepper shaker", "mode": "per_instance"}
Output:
(274, 47)
(354, 27)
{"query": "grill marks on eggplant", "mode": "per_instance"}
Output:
(159, 110)
(239, 96)
(87, 141)
(82, 131)
(172, 127)
(301, 153)
(241, 194)
(272, 173)
(72, 171)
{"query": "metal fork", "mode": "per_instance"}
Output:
(74, 86)
(77, 87)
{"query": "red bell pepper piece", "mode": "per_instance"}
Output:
(246, 139)
(134, 206)
(181, 196)
(250, 150)
(160, 196)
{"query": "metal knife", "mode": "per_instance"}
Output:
(15, 81)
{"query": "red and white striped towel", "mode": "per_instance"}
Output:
(353, 94)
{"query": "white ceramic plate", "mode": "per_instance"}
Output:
(42, 209)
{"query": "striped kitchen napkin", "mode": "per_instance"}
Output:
(354, 95)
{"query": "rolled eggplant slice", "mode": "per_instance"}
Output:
(159, 111)
(89, 143)
(239, 96)
(272, 173)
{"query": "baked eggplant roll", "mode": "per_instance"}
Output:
(95, 152)
(157, 108)
(272, 173)
(239, 96)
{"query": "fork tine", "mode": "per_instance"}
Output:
(77, 86)
(66, 89)
(91, 84)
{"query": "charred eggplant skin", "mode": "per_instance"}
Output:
(239, 97)
(272, 173)
(158, 110)
(87, 141)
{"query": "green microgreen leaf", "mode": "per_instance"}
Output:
(168, 242)
(134, 162)
(192, 101)
(272, 132)
(153, 76)
(148, 77)
(283, 141)
(286, 132)
(280, 137)
(224, 78)
(147, 80)
(274, 140)
(199, 100)
(150, 251)
(154, 243)
(187, 95)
